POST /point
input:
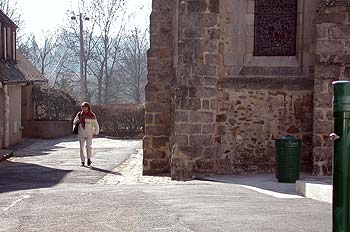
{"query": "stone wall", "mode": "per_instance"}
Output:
(252, 112)
(2, 118)
(333, 63)
(161, 74)
(46, 129)
(196, 93)
(214, 107)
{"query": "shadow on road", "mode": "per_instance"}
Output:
(21, 176)
(24, 149)
(104, 170)
(264, 182)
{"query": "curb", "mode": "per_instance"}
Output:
(315, 190)
(5, 154)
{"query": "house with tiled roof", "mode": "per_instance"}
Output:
(17, 78)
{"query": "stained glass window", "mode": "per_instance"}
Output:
(275, 27)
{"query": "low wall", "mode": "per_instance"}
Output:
(46, 129)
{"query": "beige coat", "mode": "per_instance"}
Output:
(91, 127)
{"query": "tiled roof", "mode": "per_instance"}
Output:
(28, 69)
(6, 20)
(23, 71)
(9, 72)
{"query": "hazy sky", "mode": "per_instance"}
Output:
(47, 15)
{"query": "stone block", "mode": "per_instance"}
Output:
(163, 97)
(181, 140)
(212, 59)
(213, 104)
(182, 116)
(153, 87)
(150, 96)
(181, 92)
(329, 47)
(201, 140)
(156, 107)
(159, 164)
(161, 119)
(208, 129)
(221, 130)
(198, 6)
(157, 130)
(195, 81)
(323, 100)
(323, 127)
(147, 143)
(158, 65)
(195, 33)
(206, 92)
(339, 18)
(207, 20)
(345, 31)
(182, 169)
(192, 91)
(203, 117)
(205, 104)
(185, 152)
(209, 81)
(214, 33)
(210, 152)
(214, 6)
(159, 142)
(343, 59)
(187, 128)
(321, 141)
(250, 7)
(322, 86)
(206, 45)
(327, 71)
(221, 118)
(149, 118)
(190, 104)
(154, 154)
(205, 165)
(165, 75)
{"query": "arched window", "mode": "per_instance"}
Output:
(275, 27)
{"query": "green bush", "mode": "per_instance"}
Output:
(53, 104)
(121, 120)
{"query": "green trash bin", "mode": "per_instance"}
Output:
(288, 149)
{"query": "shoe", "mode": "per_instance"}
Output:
(82, 164)
(89, 162)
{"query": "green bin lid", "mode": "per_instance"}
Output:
(341, 100)
(288, 138)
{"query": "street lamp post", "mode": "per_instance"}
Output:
(83, 84)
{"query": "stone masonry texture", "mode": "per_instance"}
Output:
(214, 108)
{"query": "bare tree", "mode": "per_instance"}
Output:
(71, 39)
(133, 65)
(109, 17)
(41, 54)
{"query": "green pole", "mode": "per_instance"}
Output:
(341, 156)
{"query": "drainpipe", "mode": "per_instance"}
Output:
(7, 117)
(341, 156)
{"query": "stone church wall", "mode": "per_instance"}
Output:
(252, 113)
(161, 73)
(214, 107)
(333, 63)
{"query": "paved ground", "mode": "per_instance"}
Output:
(43, 188)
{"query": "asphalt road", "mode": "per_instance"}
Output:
(43, 188)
